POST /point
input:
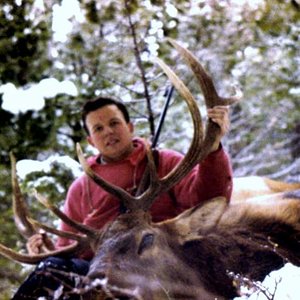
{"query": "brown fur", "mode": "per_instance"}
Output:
(190, 256)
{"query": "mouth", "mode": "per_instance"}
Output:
(101, 287)
(112, 142)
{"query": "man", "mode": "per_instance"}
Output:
(122, 161)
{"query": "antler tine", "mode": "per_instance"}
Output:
(145, 198)
(34, 259)
(29, 227)
(199, 149)
(192, 156)
(211, 96)
(80, 241)
(151, 165)
(91, 233)
(20, 208)
(121, 194)
(58, 232)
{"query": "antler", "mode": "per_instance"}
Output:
(28, 227)
(20, 209)
(198, 148)
(211, 97)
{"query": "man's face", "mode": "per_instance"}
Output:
(109, 133)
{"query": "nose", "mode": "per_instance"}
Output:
(107, 130)
(89, 282)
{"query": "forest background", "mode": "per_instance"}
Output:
(54, 55)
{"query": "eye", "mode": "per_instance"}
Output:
(114, 123)
(146, 242)
(98, 128)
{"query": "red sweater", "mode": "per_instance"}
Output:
(89, 204)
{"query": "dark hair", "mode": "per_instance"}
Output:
(99, 102)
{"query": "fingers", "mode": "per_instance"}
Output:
(36, 242)
(220, 115)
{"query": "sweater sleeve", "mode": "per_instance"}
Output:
(209, 179)
(72, 208)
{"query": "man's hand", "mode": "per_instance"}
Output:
(38, 243)
(219, 115)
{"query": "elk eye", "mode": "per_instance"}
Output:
(146, 242)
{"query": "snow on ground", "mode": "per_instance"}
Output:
(284, 284)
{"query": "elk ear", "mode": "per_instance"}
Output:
(198, 220)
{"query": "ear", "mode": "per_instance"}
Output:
(197, 220)
(131, 127)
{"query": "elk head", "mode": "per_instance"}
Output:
(190, 256)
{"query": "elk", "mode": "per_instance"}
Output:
(191, 256)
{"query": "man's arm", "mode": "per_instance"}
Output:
(72, 208)
(213, 176)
